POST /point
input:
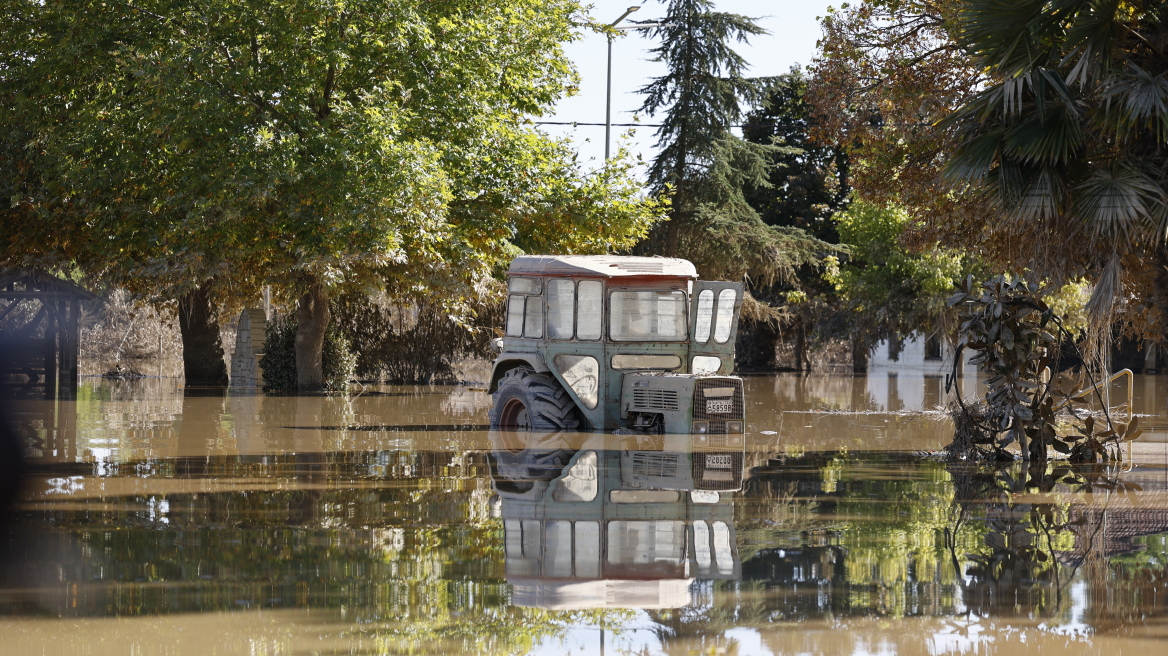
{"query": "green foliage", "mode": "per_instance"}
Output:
(279, 359)
(368, 141)
(1017, 336)
(412, 343)
(338, 361)
(1066, 138)
(808, 181)
(703, 168)
(885, 290)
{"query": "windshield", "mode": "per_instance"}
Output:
(648, 316)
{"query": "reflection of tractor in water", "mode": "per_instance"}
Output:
(604, 521)
(604, 342)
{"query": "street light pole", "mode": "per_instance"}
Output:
(608, 97)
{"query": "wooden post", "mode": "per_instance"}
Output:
(50, 332)
(70, 341)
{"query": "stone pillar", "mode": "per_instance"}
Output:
(249, 347)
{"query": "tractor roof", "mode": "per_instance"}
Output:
(608, 266)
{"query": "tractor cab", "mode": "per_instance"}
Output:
(605, 341)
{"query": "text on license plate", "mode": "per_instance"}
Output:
(718, 462)
(719, 406)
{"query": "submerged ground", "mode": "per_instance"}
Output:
(158, 521)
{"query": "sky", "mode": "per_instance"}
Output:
(793, 28)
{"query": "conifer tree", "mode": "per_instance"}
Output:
(702, 165)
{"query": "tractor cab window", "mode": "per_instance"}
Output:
(561, 301)
(525, 308)
(648, 316)
(574, 310)
(589, 309)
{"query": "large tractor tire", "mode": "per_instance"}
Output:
(526, 400)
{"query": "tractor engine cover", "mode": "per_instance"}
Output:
(683, 403)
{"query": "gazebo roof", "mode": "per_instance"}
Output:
(36, 283)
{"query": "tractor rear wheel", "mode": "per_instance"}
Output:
(526, 400)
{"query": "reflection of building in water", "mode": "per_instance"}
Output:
(913, 378)
(616, 522)
(931, 354)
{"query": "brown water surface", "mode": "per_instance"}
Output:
(160, 521)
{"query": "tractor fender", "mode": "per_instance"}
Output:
(509, 360)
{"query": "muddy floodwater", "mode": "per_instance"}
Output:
(156, 520)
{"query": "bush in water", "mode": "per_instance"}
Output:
(279, 359)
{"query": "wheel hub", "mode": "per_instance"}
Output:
(514, 415)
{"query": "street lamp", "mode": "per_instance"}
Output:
(608, 97)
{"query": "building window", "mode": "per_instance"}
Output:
(933, 347)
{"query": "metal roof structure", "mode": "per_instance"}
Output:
(606, 266)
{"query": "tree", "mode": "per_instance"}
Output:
(1066, 143)
(314, 146)
(1029, 132)
(808, 179)
(887, 71)
(806, 184)
(703, 167)
(884, 291)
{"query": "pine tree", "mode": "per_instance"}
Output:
(808, 180)
(703, 167)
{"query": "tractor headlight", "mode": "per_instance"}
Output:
(701, 427)
(733, 427)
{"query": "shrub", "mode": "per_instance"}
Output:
(412, 343)
(1017, 338)
(279, 359)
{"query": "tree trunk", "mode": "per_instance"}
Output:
(859, 357)
(1160, 302)
(312, 318)
(198, 321)
(672, 236)
(800, 345)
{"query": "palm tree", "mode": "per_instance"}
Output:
(1069, 141)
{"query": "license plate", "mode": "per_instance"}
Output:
(719, 406)
(718, 462)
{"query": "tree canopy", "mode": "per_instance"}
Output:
(310, 145)
(256, 141)
(1029, 132)
(808, 179)
(703, 167)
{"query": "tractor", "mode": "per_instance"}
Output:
(606, 342)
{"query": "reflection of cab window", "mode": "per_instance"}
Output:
(646, 541)
(564, 546)
(648, 316)
(525, 308)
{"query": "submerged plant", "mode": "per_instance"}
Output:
(1018, 338)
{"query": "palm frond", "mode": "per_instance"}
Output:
(1113, 199)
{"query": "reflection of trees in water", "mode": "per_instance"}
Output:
(717, 607)
(1044, 528)
(893, 535)
(1014, 571)
(402, 540)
